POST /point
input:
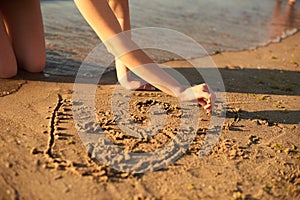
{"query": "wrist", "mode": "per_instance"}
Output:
(182, 93)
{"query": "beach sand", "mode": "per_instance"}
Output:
(256, 157)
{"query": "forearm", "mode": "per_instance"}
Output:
(102, 19)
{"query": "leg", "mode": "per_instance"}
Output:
(121, 11)
(292, 2)
(24, 24)
(8, 63)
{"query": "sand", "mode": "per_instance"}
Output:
(256, 157)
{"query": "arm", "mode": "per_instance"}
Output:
(102, 19)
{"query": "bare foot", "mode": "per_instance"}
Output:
(147, 87)
(125, 79)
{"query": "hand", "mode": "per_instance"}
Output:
(201, 93)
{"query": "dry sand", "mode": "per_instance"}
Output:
(256, 157)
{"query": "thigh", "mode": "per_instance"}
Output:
(8, 64)
(24, 23)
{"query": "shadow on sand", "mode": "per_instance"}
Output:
(253, 81)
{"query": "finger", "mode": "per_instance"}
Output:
(207, 105)
(202, 102)
(208, 108)
(207, 98)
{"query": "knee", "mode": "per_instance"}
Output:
(9, 72)
(34, 64)
(8, 68)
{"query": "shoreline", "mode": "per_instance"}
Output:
(285, 35)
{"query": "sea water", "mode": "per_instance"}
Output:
(217, 25)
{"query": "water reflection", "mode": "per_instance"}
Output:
(285, 16)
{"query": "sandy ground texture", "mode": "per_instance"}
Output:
(256, 157)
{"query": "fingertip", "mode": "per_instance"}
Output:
(208, 111)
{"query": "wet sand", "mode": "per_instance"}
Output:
(256, 157)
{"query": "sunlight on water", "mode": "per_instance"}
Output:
(217, 25)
